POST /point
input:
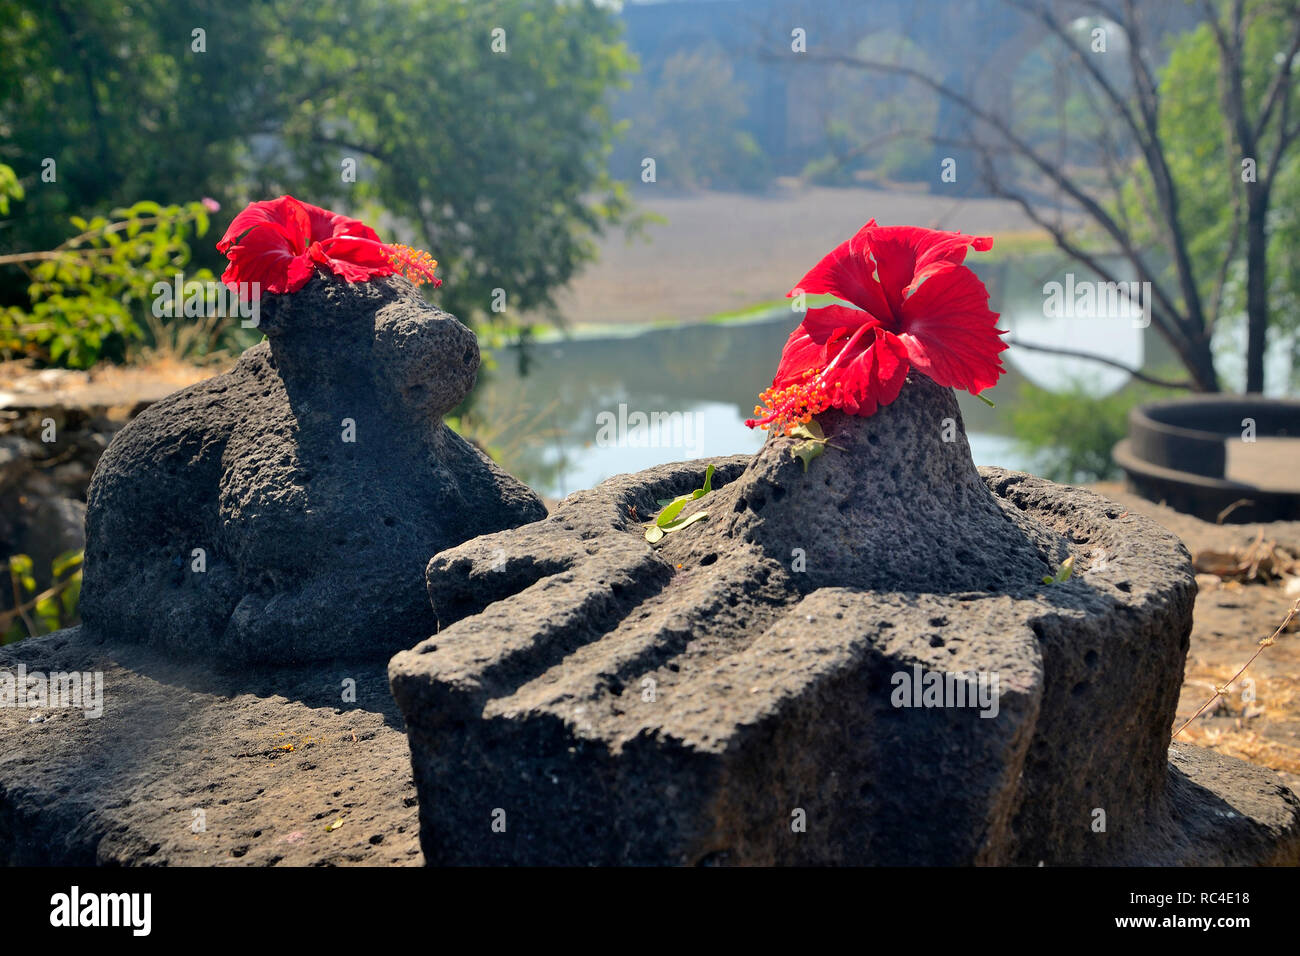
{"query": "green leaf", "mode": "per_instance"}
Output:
(654, 533)
(810, 430)
(685, 522)
(68, 559)
(48, 612)
(806, 451)
(71, 596)
(1062, 574)
(708, 483)
(672, 511)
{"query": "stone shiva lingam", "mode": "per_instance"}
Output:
(854, 647)
(285, 511)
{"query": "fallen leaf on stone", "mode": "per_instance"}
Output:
(806, 451)
(334, 826)
(811, 429)
(685, 522)
(1062, 574)
(670, 513)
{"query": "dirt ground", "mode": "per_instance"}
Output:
(1259, 718)
(720, 252)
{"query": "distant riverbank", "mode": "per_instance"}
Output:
(721, 253)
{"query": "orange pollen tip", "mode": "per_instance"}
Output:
(784, 408)
(414, 264)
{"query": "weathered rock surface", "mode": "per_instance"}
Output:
(734, 696)
(311, 484)
(265, 762)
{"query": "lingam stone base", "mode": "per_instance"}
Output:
(856, 664)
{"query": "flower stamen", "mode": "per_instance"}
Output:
(414, 264)
(784, 409)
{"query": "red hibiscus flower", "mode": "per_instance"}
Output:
(280, 243)
(917, 307)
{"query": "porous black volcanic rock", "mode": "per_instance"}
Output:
(895, 503)
(284, 512)
(188, 765)
(737, 694)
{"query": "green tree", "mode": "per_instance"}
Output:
(1242, 218)
(479, 131)
(96, 290)
(1148, 152)
(690, 120)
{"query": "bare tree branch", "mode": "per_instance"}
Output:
(1138, 374)
(1050, 170)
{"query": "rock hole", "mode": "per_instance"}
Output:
(708, 559)
(936, 640)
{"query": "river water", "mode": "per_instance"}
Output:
(573, 421)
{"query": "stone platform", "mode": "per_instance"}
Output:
(271, 759)
(591, 700)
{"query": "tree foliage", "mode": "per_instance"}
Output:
(1208, 167)
(95, 289)
(1123, 154)
(690, 119)
(487, 148)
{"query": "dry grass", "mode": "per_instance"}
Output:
(21, 376)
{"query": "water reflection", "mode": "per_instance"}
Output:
(553, 437)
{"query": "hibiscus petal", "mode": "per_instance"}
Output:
(327, 225)
(265, 256)
(353, 258)
(873, 376)
(809, 345)
(847, 273)
(950, 333)
(286, 215)
(906, 256)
